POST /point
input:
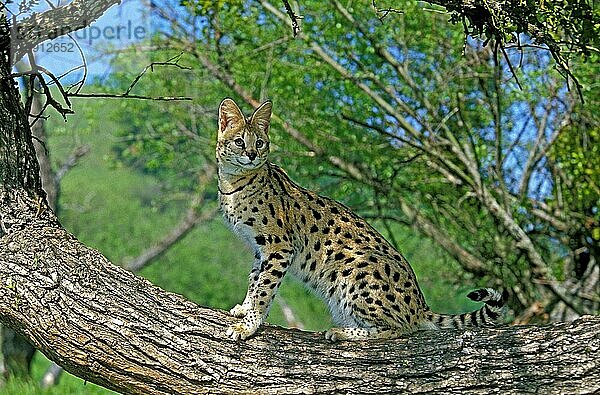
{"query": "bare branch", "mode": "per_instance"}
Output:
(128, 96)
(293, 17)
(192, 218)
(71, 161)
(174, 61)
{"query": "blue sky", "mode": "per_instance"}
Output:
(121, 26)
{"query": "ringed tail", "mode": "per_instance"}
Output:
(489, 315)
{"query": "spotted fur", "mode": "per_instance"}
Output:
(371, 290)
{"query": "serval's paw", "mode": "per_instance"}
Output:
(240, 331)
(239, 311)
(335, 334)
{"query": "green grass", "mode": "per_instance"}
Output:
(68, 384)
(110, 208)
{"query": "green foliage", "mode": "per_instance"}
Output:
(210, 7)
(139, 147)
(570, 29)
(578, 156)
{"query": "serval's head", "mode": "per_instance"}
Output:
(242, 142)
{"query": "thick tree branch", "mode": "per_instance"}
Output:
(16, 143)
(110, 327)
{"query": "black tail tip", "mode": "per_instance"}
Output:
(478, 295)
(489, 296)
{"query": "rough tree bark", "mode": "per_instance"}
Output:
(108, 326)
(17, 352)
(57, 21)
(16, 40)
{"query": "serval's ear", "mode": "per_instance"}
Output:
(230, 116)
(262, 116)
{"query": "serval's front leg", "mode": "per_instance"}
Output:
(240, 310)
(261, 292)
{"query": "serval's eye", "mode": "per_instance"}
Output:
(239, 142)
(259, 143)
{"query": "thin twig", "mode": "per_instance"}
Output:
(383, 12)
(510, 66)
(169, 62)
(124, 96)
(49, 98)
(81, 82)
